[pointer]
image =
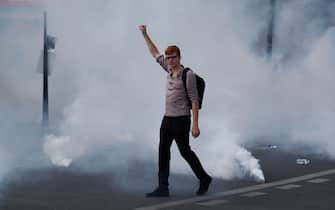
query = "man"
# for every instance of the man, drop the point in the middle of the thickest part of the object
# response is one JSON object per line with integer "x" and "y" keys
{"x": 177, "y": 119}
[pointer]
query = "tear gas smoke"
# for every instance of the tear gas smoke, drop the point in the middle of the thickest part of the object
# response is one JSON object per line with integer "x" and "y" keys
{"x": 109, "y": 93}
{"x": 117, "y": 101}
{"x": 244, "y": 93}
{"x": 57, "y": 147}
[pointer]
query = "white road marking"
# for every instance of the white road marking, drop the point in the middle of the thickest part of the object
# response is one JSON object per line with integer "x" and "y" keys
{"x": 288, "y": 187}
{"x": 253, "y": 194}
{"x": 318, "y": 181}
{"x": 212, "y": 202}
{"x": 237, "y": 191}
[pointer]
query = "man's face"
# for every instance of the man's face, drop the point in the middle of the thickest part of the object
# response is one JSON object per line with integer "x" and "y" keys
{"x": 172, "y": 60}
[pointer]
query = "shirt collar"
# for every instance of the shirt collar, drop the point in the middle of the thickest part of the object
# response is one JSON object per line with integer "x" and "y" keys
{"x": 179, "y": 72}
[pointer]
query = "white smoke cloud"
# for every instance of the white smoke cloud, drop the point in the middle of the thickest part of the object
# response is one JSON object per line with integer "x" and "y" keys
{"x": 120, "y": 94}
{"x": 109, "y": 93}
{"x": 59, "y": 150}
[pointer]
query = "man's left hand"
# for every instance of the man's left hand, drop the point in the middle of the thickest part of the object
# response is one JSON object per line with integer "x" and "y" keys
{"x": 195, "y": 131}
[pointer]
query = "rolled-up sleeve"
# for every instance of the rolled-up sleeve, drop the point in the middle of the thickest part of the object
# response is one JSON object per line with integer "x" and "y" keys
{"x": 191, "y": 84}
{"x": 161, "y": 60}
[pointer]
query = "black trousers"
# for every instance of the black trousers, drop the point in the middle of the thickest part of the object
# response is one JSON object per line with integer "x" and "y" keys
{"x": 178, "y": 129}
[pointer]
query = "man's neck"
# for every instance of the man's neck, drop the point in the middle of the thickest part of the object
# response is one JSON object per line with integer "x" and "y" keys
{"x": 177, "y": 68}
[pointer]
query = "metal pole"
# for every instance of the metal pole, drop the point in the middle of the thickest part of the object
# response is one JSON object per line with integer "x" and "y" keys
{"x": 270, "y": 31}
{"x": 45, "y": 75}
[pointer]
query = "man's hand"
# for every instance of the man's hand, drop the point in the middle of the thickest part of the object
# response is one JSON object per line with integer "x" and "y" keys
{"x": 195, "y": 131}
{"x": 152, "y": 48}
{"x": 195, "y": 115}
{"x": 143, "y": 28}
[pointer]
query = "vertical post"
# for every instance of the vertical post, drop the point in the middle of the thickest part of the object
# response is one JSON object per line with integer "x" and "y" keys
{"x": 45, "y": 75}
{"x": 271, "y": 28}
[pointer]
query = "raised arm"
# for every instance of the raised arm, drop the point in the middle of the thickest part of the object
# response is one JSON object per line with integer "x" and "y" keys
{"x": 152, "y": 47}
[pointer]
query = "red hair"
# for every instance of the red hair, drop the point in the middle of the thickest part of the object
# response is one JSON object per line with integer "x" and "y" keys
{"x": 172, "y": 49}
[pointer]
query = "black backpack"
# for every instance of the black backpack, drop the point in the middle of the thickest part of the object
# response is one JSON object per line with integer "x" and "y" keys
{"x": 200, "y": 86}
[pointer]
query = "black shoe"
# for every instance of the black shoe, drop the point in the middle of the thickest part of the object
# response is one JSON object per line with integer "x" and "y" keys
{"x": 159, "y": 192}
{"x": 204, "y": 185}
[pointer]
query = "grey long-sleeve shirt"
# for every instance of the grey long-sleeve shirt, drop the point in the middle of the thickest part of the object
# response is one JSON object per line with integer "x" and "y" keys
{"x": 176, "y": 103}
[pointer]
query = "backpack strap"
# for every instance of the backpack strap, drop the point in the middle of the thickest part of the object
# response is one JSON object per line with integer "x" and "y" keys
{"x": 184, "y": 77}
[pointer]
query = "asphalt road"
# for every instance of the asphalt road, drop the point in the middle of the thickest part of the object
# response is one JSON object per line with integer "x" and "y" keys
{"x": 288, "y": 186}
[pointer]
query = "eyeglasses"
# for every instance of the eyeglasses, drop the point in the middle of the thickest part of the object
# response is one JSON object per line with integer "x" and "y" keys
{"x": 171, "y": 57}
